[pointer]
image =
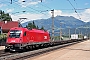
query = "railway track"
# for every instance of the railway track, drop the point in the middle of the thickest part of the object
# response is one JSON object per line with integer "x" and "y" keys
{"x": 2, "y": 53}
{"x": 25, "y": 55}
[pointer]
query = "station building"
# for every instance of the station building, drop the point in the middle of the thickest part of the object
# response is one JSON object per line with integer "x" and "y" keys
{"x": 5, "y": 26}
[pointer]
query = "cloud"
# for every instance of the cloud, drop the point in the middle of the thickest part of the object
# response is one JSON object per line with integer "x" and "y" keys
{"x": 1, "y": 5}
{"x": 85, "y": 15}
{"x": 29, "y": 17}
{"x": 86, "y": 3}
{"x": 87, "y": 11}
{"x": 27, "y": 3}
{"x": 9, "y": 10}
{"x": 33, "y": 3}
{"x": 56, "y": 12}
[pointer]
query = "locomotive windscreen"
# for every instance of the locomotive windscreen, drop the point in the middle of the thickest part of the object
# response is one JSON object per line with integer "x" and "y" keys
{"x": 15, "y": 33}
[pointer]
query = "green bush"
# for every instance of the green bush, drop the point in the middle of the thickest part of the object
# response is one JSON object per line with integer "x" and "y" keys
{"x": 3, "y": 37}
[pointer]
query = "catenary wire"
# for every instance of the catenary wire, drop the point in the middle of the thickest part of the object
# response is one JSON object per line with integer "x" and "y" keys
{"x": 74, "y": 8}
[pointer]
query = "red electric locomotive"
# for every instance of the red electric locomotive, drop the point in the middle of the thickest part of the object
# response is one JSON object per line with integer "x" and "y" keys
{"x": 20, "y": 38}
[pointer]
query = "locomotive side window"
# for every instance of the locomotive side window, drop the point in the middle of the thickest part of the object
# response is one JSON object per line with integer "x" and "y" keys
{"x": 24, "y": 33}
{"x": 15, "y": 33}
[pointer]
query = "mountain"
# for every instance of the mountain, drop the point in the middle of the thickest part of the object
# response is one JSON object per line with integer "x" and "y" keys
{"x": 65, "y": 22}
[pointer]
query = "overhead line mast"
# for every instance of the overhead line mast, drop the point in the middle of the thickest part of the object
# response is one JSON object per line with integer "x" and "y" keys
{"x": 52, "y": 11}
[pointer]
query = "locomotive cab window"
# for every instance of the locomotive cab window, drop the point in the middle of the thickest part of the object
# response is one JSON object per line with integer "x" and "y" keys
{"x": 15, "y": 33}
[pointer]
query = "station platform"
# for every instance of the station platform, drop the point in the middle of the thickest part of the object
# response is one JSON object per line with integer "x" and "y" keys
{"x": 79, "y": 51}
{"x": 2, "y": 47}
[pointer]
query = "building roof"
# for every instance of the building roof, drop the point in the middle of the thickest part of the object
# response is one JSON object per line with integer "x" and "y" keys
{"x": 7, "y": 25}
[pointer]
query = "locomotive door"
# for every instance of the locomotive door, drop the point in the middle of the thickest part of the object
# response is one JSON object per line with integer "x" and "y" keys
{"x": 25, "y": 37}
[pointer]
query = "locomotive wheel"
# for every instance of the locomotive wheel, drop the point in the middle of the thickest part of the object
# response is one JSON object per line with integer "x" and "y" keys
{"x": 6, "y": 50}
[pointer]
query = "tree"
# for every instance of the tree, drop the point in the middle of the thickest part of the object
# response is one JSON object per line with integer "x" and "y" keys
{"x": 42, "y": 28}
{"x": 29, "y": 26}
{"x": 37, "y": 27}
{"x": 5, "y": 16}
{"x": 33, "y": 25}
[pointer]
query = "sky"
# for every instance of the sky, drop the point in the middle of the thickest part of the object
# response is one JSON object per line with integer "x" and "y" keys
{"x": 41, "y": 9}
